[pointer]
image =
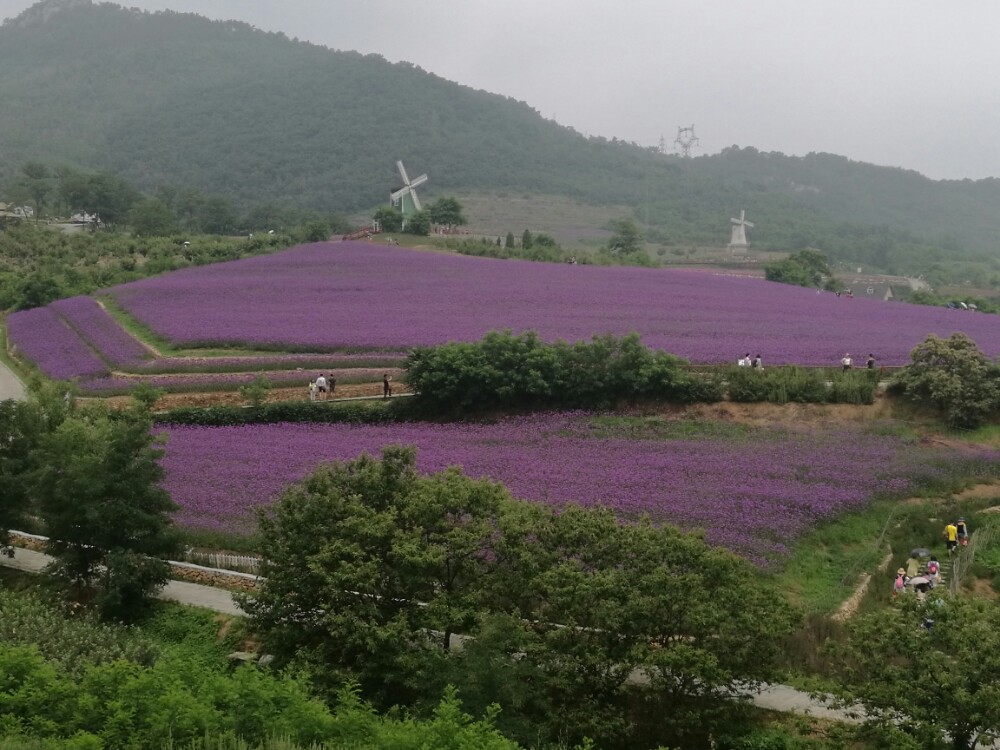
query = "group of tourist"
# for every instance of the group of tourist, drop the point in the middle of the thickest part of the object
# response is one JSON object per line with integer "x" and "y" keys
{"x": 319, "y": 387}
{"x": 323, "y": 387}
{"x": 922, "y": 578}
{"x": 846, "y": 363}
{"x": 748, "y": 361}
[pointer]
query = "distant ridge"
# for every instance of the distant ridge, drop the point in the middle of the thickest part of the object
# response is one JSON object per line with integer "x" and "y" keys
{"x": 171, "y": 98}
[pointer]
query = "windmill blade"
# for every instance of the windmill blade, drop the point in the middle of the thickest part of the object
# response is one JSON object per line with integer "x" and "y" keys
{"x": 415, "y": 199}
{"x": 397, "y": 194}
{"x": 748, "y": 224}
{"x": 419, "y": 181}
{"x": 402, "y": 172}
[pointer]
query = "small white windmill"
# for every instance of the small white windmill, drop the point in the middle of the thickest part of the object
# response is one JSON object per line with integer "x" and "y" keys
{"x": 738, "y": 239}
{"x": 405, "y": 198}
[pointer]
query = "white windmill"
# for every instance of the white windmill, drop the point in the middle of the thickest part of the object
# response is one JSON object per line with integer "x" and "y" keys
{"x": 738, "y": 239}
{"x": 405, "y": 198}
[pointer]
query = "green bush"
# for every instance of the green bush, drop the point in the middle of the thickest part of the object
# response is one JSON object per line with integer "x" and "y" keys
{"x": 70, "y": 643}
{"x": 508, "y": 371}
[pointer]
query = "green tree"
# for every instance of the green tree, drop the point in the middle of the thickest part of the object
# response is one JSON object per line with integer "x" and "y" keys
{"x": 597, "y": 601}
{"x": 927, "y": 682}
{"x": 99, "y": 497}
{"x": 151, "y": 217}
{"x": 37, "y": 180}
{"x": 38, "y": 290}
{"x": 526, "y": 241}
{"x": 216, "y": 215}
{"x": 22, "y": 425}
{"x": 389, "y": 218}
{"x": 317, "y": 231}
{"x": 626, "y": 240}
{"x": 953, "y": 376}
{"x": 418, "y": 223}
{"x": 509, "y": 241}
{"x": 255, "y": 392}
{"x": 805, "y": 268}
{"x": 365, "y": 559}
{"x": 447, "y": 211}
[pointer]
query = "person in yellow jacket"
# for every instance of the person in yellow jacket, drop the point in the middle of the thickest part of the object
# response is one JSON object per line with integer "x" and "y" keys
{"x": 951, "y": 536}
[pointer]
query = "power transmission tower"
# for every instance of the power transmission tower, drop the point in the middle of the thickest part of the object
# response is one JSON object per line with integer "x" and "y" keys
{"x": 685, "y": 140}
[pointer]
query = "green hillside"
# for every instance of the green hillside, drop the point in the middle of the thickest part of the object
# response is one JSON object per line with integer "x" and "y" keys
{"x": 170, "y": 98}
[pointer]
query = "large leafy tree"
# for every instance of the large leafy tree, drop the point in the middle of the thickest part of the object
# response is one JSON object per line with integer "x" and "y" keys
{"x": 37, "y": 181}
{"x": 626, "y": 240}
{"x": 629, "y": 628}
{"x": 108, "y": 519}
{"x": 578, "y": 624}
{"x": 364, "y": 561}
{"x": 21, "y": 426}
{"x": 928, "y": 682}
{"x": 389, "y": 218}
{"x": 447, "y": 211}
{"x": 805, "y": 268}
{"x": 953, "y": 376}
{"x": 151, "y": 217}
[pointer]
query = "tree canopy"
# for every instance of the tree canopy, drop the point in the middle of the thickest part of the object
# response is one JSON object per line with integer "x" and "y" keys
{"x": 925, "y": 682}
{"x": 374, "y": 571}
{"x": 954, "y": 377}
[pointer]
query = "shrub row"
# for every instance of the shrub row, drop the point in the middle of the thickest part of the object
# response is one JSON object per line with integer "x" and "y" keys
{"x": 798, "y": 385}
{"x": 508, "y": 371}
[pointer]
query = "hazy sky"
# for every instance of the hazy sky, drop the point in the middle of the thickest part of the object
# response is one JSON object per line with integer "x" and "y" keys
{"x": 907, "y": 83}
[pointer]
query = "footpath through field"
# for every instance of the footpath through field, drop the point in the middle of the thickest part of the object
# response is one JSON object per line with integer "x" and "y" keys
{"x": 10, "y": 385}
{"x": 771, "y": 697}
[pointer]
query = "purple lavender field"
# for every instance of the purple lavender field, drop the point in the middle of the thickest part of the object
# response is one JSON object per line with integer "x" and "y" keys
{"x": 355, "y": 295}
{"x": 44, "y": 337}
{"x": 744, "y": 488}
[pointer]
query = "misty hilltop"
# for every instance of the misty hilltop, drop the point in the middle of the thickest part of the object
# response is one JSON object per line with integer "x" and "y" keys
{"x": 170, "y": 98}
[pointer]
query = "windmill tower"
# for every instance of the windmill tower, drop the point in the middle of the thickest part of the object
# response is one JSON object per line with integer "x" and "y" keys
{"x": 405, "y": 198}
{"x": 738, "y": 239}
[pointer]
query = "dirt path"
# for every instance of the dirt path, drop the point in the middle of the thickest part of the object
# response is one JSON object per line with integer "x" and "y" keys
{"x": 274, "y": 395}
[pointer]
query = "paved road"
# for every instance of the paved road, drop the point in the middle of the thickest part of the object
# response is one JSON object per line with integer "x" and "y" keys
{"x": 10, "y": 386}
{"x": 773, "y": 697}
{"x": 193, "y": 594}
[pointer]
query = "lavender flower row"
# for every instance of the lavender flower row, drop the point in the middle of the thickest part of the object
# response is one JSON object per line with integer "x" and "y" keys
{"x": 58, "y": 351}
{"x": 751, "y": 495}
{"x": 355, "y": 295}
{"x": 272, "y": 362}
{"x": 101, "y": 331}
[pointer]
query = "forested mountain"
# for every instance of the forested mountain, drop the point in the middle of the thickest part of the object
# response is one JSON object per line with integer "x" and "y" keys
{"x": 175, "y": 99}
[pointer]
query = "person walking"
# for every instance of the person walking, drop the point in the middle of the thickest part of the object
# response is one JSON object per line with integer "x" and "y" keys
{"x": 899, "y": 584}
{"x": 845, "y": 362}
{"x": 312, "y": 390}
{"x": 758, "y": 364}
{"x": 934, "y": 570}
{"x": 386, "y": 385}
{"x": 870, "y": 362}
{"x": 950, "y": 534}
{"x": 331, "y": 384}
{"x": 321, "y": 387}
{"x": 962, "y": 532}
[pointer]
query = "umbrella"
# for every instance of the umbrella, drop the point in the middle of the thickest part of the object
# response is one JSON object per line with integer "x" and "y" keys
{"x": 920, "y": 552}
{"x": 917, "y": 580}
